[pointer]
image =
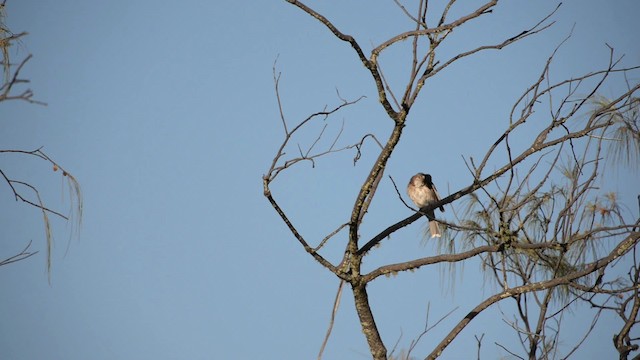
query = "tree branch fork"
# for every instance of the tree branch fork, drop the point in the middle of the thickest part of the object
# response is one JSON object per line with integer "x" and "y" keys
{"x": 559, "y": 132}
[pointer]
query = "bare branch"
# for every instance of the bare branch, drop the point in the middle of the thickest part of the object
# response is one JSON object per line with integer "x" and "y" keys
{"x": 336, "y": 305}
{"x": 20, "y": 256}
{"x": 275, "y": 169}
{"x": 622, "y": 248}
{"x": 539, "y": 226}
{"x": 370, "y": 65}
{"x": 326, "y": 238}
{"x": 26, "y": 95}
{"x": 484, "y": 9}
{"x": 10, "y": 81}
{"x": 428, "y": 328}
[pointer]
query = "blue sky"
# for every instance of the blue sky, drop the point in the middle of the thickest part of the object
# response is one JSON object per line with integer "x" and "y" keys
{"x": 165, "y": 113}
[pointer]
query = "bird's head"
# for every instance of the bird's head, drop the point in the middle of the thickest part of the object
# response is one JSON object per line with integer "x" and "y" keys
{"x": 427, "y": 179}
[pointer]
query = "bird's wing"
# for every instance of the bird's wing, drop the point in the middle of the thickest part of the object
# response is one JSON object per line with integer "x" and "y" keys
{"x": 435, "y": 191}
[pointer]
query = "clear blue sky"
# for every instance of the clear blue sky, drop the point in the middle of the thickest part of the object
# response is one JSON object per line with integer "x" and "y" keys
{"x": 165, "y": 113}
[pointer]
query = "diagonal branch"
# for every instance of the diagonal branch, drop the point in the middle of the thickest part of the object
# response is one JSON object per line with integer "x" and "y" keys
{"x": 20, "y": 256}
{"x": 484, "y": 9}
{"x": 538, "y": 145}
{"x": 319, "y": 258}
{"x": 371, "y": 65}
{"x": 622, "y": 248}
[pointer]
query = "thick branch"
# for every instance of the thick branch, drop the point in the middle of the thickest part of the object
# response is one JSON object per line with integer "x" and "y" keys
{"x": 417, "y": 263}
{"x": 361, "y": 298}
{"x": 369, "y": 184}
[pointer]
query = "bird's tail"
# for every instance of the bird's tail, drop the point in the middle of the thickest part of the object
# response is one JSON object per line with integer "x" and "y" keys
{"x": 434, "y": 228}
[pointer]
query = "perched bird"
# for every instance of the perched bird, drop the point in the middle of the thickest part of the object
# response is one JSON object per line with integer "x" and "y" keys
{"x": 422, "y": 192}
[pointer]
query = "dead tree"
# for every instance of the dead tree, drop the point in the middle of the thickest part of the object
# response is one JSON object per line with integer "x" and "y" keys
{"x": 546, "y": 235}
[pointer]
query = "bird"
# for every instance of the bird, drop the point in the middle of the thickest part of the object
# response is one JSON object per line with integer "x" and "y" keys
{"x": 423, "y": 192}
